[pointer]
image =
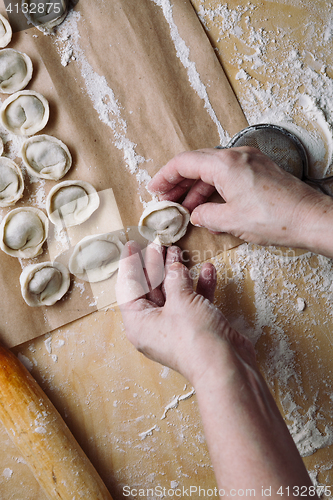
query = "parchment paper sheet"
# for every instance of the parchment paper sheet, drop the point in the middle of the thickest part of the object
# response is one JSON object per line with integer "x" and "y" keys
{"x": 159, "y": 114}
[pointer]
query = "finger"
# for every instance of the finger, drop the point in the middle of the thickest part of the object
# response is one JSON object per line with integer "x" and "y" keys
{"x": 216, "y": 217}
{"x": 154, "y": 265}
{"x": 131, "y": 281}
{"x": 175, "y": 193}
{"x": 202, "y": 164}
{"x": 207, "y": 281}
{"x": 177, "y": 281}
{"x": 174, "y": 254}
{"x": 198, "y": 194}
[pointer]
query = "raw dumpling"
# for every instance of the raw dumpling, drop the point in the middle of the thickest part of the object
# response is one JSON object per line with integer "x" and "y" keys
{"x": 15, "y": 70}
{"x": 44, "y": 284}
{"x": 45, "y": 15}
{"x": 96, "y": 258}
{"x": 25, "y": 112}
{"x": 164, "y": 222}
{"x": 46, "y": 157}
{"x": 23, "y": 232}
{"x": 11, "y": 182}
{"x": 5, "y": 32}
{"x": 71, "y": 202}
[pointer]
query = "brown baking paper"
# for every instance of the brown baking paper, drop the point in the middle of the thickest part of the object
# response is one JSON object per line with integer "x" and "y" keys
{"x": 124, "y": 104}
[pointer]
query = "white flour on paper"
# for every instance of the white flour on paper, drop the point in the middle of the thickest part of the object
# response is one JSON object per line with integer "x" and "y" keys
{"x": 102, "y": 96}
{"x": 183, "y": 53}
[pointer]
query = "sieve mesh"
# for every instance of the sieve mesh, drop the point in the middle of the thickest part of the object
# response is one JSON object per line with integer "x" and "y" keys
{"x": 278, "y": 144}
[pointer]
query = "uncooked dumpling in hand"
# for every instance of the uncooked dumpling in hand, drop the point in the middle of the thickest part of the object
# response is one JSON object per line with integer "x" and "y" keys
{"x": 46, "y": 157}
{"x": 23, "y": 232}
{"x": 15, "y": 70}
{"x": 24, "y": 113}
{"x": 11, "y": 182}
{"x": 44, "y": 284}
{"x": 5, "y": 32}
{"x": 164, "y": 222}
{"x": 70, "y": 203}
{"x": 96, "y": 258}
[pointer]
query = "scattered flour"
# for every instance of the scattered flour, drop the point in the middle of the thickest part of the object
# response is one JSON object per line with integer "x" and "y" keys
{"x": 149, "y": 432}
{"x": 183, "y": 52}
{"x": 300, "y": 304}
{"x": 304, "y": 105}
{"x": 25, "y": 361}
{"x": 7, "y": 473}
{"x": 102, "y": 96}
{"x": 175, "y": 402}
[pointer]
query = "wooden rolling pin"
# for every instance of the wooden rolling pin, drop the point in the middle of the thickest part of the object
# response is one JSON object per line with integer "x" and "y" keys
{"x": 55, "y": 458}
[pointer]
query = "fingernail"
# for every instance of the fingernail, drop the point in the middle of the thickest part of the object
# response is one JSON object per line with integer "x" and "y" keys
{"x": 194, "y": 221}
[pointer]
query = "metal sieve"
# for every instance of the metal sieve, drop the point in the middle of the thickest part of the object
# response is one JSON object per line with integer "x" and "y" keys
{"x": 283, "y": 147}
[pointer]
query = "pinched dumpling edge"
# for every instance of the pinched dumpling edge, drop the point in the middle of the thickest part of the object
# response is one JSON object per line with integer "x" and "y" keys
{"x": 6, "y": 38}
{"x": 28, "y": 76}
{"x": 11, "y": 164}
{"x": 49, "y": 138}
{"x": 28, "y": 253}
{"x": 155, "y": 207}
{"x": 93, "y": 203}
{"x": 33, "y": 129}
{"x": 29, "y": 272}
{"x": 107, "y": 271}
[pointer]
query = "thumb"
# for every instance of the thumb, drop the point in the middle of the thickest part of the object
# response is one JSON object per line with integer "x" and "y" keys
{"x": 177, "y": 280}
{"x": 213, "y": 216}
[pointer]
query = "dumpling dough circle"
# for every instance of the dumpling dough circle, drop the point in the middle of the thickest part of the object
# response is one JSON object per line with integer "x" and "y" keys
{"x": 70, "y": 203}
{"x": 24, "y": 113}
{"x": 23, "y": 232}
{"x": 46, "y": 157}
{"x": 44, "y": 284}
{"x": 96, "y": 258}
{"x": 15, "y": 70}
{"x": 164, "y": 222}
{"x": 5, "y": 32}
{"x": 11, "y": 182}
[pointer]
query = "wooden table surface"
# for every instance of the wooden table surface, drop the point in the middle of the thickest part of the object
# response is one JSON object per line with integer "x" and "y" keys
{"x": 113, "y": 399}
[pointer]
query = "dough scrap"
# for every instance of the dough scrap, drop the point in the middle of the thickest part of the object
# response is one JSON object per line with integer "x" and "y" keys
{"x": 44, "y": 284}
{"x": 24, "y": 113}
{"x": 5, "y": 32}
{"x": 164, "y": 222}
{"x": 46, "y": 157}
{"x": 11, "y": 182}
{"x": 70, "y": 203}
{"x": 52, "y": 15}
{"x": 96, "y": 258}
{"x": 15, "y": 70}
{"x": 23, "y": 232}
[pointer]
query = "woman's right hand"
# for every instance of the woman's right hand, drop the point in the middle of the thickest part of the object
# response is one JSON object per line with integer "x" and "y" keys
{"x": 264, "y": 204}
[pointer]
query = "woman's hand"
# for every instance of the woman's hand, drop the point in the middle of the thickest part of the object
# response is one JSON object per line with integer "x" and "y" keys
{"x": 264, "y": 204}
{"x": 172, "y": 323}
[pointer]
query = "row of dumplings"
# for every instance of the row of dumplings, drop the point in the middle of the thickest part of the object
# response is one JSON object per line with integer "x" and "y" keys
{"x": 24, "y": 230}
